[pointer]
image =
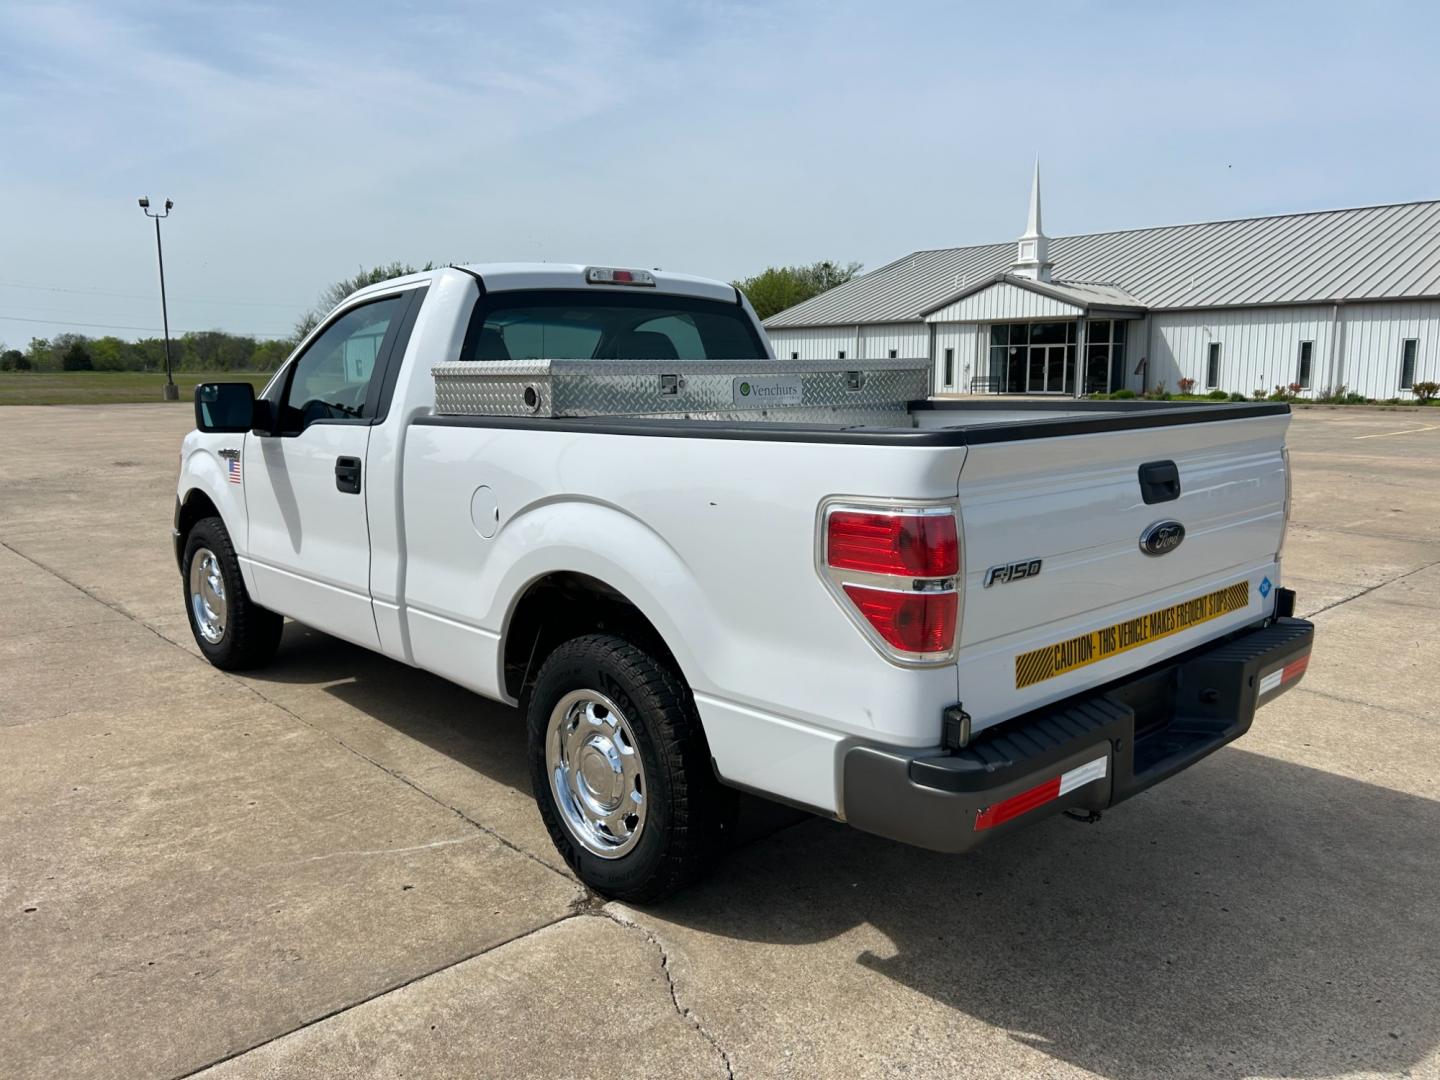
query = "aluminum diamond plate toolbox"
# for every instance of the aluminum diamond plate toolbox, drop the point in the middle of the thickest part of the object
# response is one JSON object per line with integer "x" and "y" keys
{"x": 797, "y": 391}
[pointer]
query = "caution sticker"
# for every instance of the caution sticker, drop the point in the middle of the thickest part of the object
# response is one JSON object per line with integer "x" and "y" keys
{"x": 1077, "y": 652}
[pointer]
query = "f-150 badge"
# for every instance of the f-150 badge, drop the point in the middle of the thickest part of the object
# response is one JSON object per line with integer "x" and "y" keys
{"x": 1008, "y": 572}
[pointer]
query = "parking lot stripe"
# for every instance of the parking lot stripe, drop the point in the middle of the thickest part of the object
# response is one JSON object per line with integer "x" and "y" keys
{"x": 1407, "y": 431}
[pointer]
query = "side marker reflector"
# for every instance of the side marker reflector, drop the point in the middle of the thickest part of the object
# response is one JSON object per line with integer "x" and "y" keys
{"x": 1041, "y": 794}
{"x": 1273, "y": 680}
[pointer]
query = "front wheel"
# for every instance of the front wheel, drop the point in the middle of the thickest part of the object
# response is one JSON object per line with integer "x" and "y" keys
{"x": 231, "y": 630}
{"x": 621, "y": 770}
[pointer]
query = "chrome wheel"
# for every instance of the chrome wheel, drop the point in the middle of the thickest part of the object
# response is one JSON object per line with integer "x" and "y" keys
{"x": 207, "y": 595}
{"x": 596, "y": 774}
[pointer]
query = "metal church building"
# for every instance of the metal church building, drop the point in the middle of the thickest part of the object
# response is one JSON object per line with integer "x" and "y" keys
{"x": 1337, "y": 298}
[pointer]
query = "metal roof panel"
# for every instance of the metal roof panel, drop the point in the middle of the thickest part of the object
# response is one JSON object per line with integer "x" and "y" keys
{"x": 1386, "y": 252}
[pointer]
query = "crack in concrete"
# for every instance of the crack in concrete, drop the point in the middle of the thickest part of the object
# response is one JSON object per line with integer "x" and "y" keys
{"x": 1367, "y": 591}
{"x": 1303, "y": 688}
{"x": 687, "y": 1014}
{"x": 1346, "y": 530}
{"x": 118, "y": 608}
{"x": 401, "y": 985}
{"x": 376, "y": 851}
{"x": 395, "y": 774}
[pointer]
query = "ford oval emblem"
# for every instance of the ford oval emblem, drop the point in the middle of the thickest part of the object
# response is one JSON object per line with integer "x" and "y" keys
{"x": 1162, "y": 538}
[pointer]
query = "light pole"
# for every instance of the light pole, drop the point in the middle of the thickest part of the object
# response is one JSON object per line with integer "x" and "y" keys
{"x": 172, "y": 392}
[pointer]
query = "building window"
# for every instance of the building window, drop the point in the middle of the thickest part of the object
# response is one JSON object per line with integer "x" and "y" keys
{"x": 1307, "y": 351}
{"x": 1104, "y": 354}
{"x": 1212, "y": 366}
{"x": 1407, "y": 363}
{"x": 841, "y": 354}
{"x": 1031, "y": 358}
{"x": 794, "y": 356}
{"x": 894, "y": 353}
{"x": 949, "y": 367}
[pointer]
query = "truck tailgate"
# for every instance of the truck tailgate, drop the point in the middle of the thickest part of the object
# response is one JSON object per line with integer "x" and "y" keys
{"x": 1085, "y": 603}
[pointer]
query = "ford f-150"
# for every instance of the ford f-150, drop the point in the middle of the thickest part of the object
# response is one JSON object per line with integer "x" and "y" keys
{"x": 937, "y": 623}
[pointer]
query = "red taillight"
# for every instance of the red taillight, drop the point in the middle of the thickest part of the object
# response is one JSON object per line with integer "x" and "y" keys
{"x": 913, "y": 622}
{"x": 913, "y": 545}
{"x": 894, "y": 570}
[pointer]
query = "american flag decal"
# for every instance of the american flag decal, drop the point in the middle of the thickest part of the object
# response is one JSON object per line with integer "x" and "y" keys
{"x": 232, "y": 469}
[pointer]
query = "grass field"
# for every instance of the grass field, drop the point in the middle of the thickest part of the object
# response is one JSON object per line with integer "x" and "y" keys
{"x": 108, "y": 387}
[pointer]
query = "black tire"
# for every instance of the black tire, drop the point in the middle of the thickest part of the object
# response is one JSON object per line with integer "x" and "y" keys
{"x": 250, "y": 633}
{"x": 687, "y": 809}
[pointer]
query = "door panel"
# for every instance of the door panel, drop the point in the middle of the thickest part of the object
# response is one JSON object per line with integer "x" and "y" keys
{"x": 309, "y": 541}
{"x": 309, "y": 538}
{"x": 1036, "y": 374}
{"x": 1055, "y": 369}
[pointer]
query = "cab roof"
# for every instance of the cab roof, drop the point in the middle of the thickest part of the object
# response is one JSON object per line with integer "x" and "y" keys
{"x": 510, "y": 276}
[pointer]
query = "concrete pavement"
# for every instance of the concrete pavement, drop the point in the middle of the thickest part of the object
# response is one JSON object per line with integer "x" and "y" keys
{"x": 334, "y": 867}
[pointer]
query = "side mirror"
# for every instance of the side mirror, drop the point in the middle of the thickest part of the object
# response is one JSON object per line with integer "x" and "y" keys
{"x": 227, "y": 407}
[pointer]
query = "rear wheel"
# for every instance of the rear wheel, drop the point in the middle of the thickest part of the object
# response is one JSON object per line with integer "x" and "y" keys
{"x": 231, "y": 630}
{"x": 621, "y": 770}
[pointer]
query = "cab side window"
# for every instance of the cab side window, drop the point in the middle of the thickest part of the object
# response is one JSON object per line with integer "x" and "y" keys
{"x": 331, "y": 379}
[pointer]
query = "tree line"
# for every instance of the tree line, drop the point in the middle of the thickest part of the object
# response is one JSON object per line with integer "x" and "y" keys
{"x": 207, "y": 350}
{"x": 769, "y": 291}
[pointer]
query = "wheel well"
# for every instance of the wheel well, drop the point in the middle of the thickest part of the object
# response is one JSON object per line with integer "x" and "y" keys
{"x": 562, "y": 606}
{"x": 197, "y": 506}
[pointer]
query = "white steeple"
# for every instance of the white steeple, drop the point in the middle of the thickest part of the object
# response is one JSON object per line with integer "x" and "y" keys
{"x": 1032, "y": 251}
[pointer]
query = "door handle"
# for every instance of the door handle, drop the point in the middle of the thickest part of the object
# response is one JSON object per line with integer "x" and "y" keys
{"x": 1159, "y": 481}
{"x": 347, "y": 475}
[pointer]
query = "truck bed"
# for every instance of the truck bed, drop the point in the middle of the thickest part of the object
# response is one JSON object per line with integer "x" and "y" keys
{"x": 1053, "y": 483}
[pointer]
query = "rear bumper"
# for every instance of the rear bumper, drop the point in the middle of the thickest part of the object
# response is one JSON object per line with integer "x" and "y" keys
{"x": 1087, "y": 753}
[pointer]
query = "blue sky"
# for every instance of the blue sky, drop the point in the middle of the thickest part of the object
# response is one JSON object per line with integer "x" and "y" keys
{"x": 302, "y": 141}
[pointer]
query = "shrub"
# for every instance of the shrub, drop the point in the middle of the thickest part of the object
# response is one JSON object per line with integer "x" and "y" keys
{"x": 1425, "y": 391}
{"x": 1156, "y": 393}
{"x": 1258, "y": 395}
{"x": 1122, "y": 395}
{"x": 1187, "y": 386}
{"x": 1237, "y": 397}
{"x": 1217, "y": 395}
{"x": 76, "y": 359}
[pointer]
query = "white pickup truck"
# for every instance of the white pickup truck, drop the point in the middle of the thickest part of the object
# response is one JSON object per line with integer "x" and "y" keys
{"x": 937, "y": 628}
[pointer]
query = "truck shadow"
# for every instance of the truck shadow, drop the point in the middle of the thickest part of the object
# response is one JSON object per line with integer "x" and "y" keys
{"x": 482, "y": 735}
{"x": 1250, "y": 917}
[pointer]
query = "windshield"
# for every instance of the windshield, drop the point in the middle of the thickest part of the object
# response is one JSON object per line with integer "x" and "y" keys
{"x": 580, "y": 324}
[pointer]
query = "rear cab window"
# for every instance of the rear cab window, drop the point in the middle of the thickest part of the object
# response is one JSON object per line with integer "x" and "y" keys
{"x": 587, "y": 324}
